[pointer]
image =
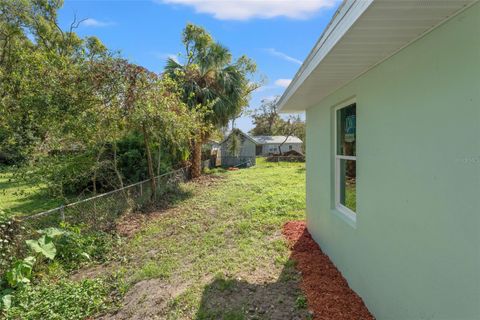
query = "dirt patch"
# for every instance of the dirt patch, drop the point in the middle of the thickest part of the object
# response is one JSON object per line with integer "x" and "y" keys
{"x": 128, "y": 224}
{"x": 92, "y": 272}
{"x": 208, "y": 179}
{"x": 147, "y": 299}
{"x": 255, "y": 296}
{"x": 327, "y": 292}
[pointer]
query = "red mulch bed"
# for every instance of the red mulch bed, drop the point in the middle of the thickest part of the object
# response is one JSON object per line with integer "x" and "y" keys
{"x": 328, "y": 294}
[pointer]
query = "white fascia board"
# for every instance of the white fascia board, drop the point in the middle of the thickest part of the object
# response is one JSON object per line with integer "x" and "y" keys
{"x": 345, "y": 17}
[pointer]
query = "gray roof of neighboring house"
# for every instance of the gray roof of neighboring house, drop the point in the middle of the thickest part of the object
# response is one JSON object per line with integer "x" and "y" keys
{"x": 276, "y": 139}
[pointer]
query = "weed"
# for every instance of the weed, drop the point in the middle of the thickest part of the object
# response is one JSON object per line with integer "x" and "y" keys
{"x": 63, "y": 300}
{"x": 301, "y": 302}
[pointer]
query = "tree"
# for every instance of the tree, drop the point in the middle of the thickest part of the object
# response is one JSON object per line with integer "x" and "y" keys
{"x": 66, "y": 102}
{"x": 266, "y": 118}
{"x": 268, "y": 122}
{"x": 153, "y": 107}
{"x": 214, "y": 84}
{"x": 293, "y": 126}
{"x": 46, "y": 82}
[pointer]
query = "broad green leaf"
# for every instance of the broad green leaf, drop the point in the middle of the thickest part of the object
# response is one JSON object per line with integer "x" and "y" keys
{"x": 44, "y": 246}
{"x": 21, "y": 272}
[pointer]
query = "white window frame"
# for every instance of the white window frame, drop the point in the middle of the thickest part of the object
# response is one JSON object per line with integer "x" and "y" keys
{"x": 348, "y": 213}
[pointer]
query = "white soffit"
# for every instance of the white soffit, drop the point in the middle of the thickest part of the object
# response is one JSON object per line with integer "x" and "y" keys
{"x": 362, "y": 34}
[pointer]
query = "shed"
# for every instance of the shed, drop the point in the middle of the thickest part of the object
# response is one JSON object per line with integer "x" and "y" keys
{"x": 237, "y": 149}
{"x": 391, "y": 92}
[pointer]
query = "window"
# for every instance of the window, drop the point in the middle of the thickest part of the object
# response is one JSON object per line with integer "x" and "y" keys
{"x": 290, "y": 147}
{"x": 346, "y": 160}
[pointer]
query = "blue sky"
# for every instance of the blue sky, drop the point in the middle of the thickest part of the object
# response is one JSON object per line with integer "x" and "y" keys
{"x": 277, "y": 34}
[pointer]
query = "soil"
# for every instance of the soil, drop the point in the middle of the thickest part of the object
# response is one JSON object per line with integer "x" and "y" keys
{"x": 262, "y": 294}
{"x": 146, "y": 300}
{"x": 92, "y": 272}
{"x": 327, "y": 291}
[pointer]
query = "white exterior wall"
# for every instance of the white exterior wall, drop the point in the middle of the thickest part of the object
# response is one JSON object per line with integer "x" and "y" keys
{"x": 266, "y": 148}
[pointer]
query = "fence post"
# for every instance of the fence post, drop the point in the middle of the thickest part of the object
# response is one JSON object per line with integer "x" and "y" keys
{"x": 141, "y": 189}
{"x": 62, "y": 212}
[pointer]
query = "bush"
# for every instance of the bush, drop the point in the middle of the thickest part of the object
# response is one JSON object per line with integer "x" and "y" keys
{"x": 76, "y": 246}
{"x": 9, "y": 228}
{"x": 62, "y": 300}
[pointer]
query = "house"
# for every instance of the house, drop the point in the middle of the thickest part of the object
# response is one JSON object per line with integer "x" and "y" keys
{"x": 392, "y": 97}
{"x": 237, "y": 149}
{"x": 268, "y": 145}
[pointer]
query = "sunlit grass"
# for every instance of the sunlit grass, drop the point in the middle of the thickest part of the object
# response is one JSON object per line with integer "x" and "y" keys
{"x": 22, "y": 198}
{"x": 231, "y": 228}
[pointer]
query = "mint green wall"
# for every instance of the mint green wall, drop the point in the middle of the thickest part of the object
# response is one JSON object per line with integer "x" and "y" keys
{"x": 415, "y": 250}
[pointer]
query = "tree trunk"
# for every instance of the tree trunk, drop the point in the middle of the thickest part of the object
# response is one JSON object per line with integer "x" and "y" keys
{"x": 94, "y": 178}
{"x": 197, "y": 158}
{"x": 159, "y": 157}
{"x": 151, "y": 174}
{"x": 115, "y": 164}
{"x": 280, "y": 146}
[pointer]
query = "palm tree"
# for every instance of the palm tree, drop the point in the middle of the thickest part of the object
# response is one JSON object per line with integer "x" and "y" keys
{"x": 212, "y": 84}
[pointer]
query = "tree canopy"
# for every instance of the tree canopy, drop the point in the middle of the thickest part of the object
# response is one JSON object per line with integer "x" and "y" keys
{"x": 268, "y": 122}
{"x": 77, "y": 112}
{"x": 212, "y": 81}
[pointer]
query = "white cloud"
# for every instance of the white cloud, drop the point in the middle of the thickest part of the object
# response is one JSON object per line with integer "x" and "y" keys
{"x": 265, "y": 88}
{"x": 165, "y": 56}
{"x": 96, "y": 23}
{"x": 248, "y": 9}
{"x": 172, "y": 56}
{"x": 283, "y": 82}
{"x": 284, "y": 56}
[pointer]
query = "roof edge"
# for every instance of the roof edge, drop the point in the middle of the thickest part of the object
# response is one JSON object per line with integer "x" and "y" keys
{"x": 343, "y": 19}
{"x": 243, "y": 133}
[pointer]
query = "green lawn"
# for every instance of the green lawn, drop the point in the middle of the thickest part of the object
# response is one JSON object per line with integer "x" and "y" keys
{"x": 220, "y": 254}
{"x": 20, "y": 198}
{"x": 216, "y": 253}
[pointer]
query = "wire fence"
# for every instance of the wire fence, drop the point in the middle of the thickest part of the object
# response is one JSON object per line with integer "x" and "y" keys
{"x": 95, "y": 213}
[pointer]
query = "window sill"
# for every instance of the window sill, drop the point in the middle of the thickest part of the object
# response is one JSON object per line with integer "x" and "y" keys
{"x": 346, "y": 215}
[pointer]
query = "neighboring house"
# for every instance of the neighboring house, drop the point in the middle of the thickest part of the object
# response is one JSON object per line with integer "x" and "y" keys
{"x": 238, "y": 148}
{"x": 392, "y": 98}
{"x": 268, "y": 145}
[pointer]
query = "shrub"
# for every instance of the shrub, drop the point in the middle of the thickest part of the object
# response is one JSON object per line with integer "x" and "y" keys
{"x": 77, "y": 246}
{"x": 9, "y": 228}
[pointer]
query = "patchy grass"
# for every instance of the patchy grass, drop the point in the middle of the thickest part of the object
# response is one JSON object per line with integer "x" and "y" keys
{"x": 216, "y": 254}
{"x": 220, "y": 253}
{"x": 22, "y": 198}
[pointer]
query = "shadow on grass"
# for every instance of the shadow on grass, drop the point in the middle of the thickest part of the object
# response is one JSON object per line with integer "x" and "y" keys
{"x": 237, "y": 299}
{"x": 169, "y": 198}
{"x": 329, "y": 296}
